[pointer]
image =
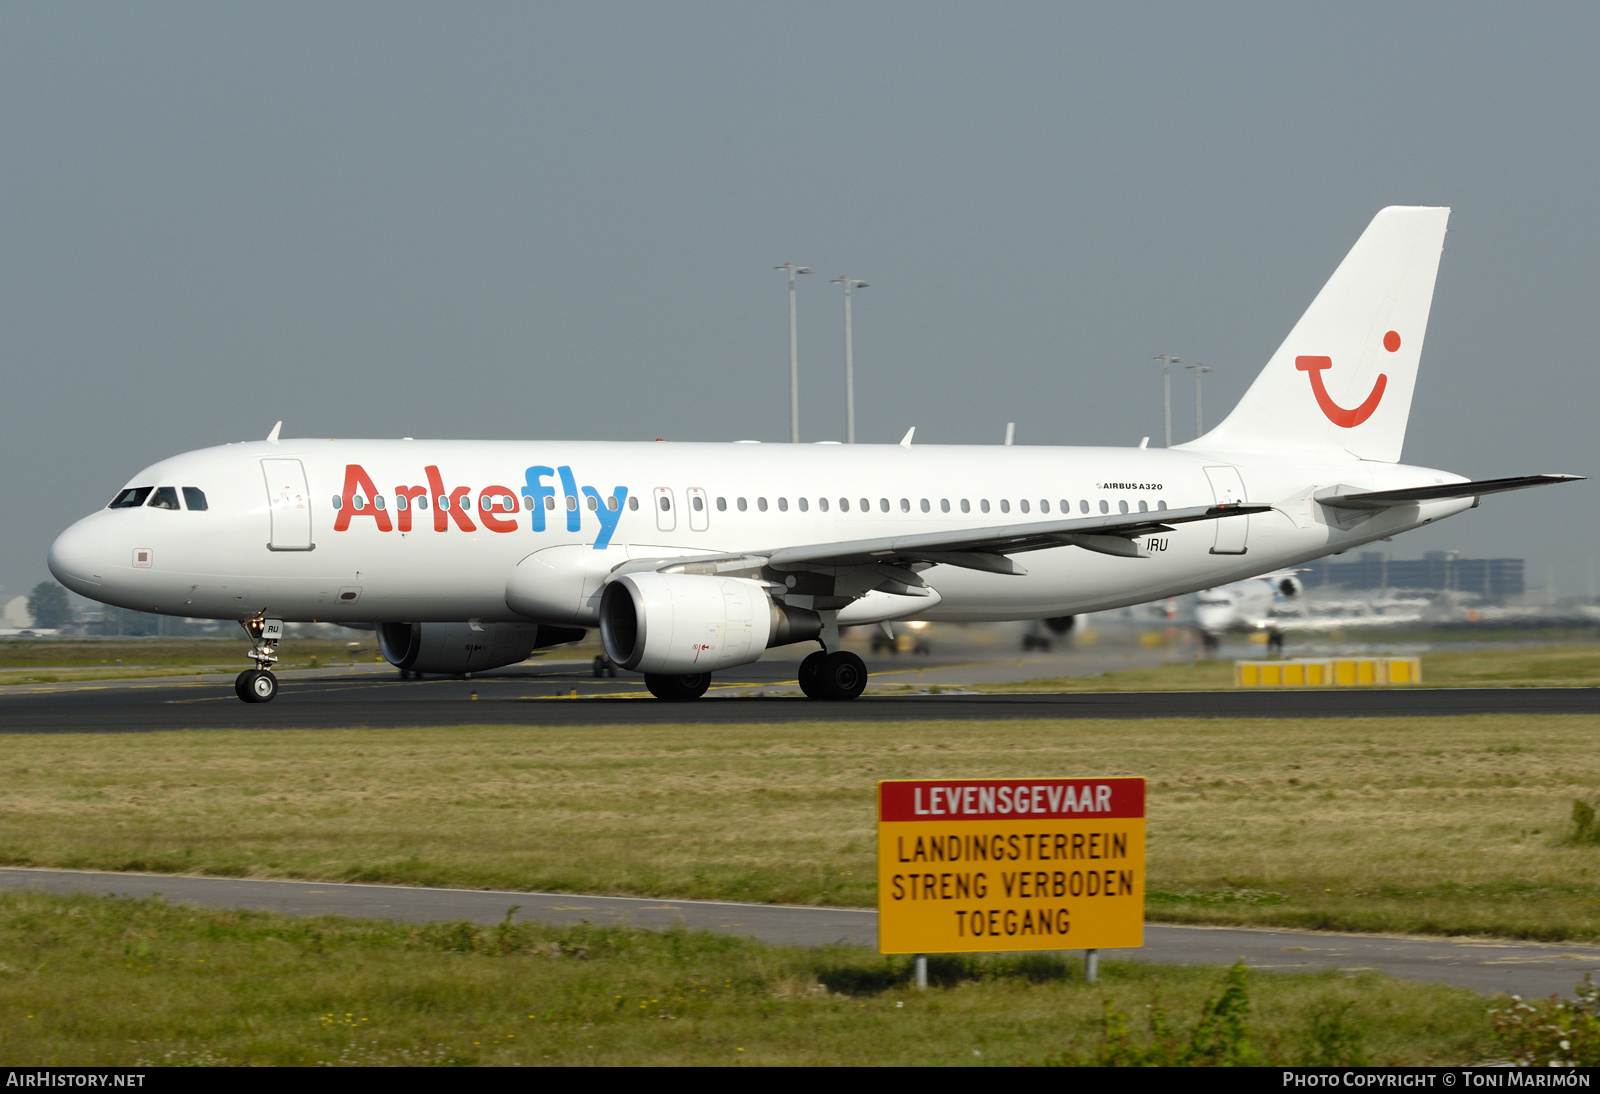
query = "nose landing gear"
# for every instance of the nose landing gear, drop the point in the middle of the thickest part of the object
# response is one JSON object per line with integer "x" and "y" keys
{"x": 259, "y": 685}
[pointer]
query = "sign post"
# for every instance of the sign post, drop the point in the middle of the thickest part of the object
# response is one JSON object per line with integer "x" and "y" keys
{"x": 991, "y": 865}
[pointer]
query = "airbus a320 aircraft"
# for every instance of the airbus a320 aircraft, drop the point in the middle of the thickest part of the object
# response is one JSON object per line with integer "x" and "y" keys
{"x": 692, "y": 558}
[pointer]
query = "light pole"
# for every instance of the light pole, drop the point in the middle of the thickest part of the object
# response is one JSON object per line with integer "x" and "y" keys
{"x": 1199, "y": 419}
{"x": 1167, "y": 361}
{"x": 849, "y": 359}
{"x": 794, "y": 355}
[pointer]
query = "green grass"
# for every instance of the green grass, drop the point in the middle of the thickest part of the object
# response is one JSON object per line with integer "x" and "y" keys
{"x": 1427, "y": 825}
{"x": 96, "y": 981}
{"x": 1576, "y": 665}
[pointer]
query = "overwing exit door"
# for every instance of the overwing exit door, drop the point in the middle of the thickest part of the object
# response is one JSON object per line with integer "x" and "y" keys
{"x": 666, "y": 518}
{"x": 1228, "y": 488}
{"x": 290, "y": 504}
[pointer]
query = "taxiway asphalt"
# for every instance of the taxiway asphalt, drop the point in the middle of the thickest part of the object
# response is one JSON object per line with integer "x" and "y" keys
{"x": 1524, "y": 968}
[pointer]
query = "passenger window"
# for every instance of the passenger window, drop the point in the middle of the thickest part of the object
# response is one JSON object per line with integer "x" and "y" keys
{"x": 1005, "y": 506}
{"x": 358, "y": 503}
{"x": 844, "y": 505}
{"x": 883, "y": 504}
{"x": 378, "y": 502}
{"x": 698, "y": 502}
{"x": 866, "y": 506}
{"x": 905, "y": 505}
{"x": 399, "y": 501}
{"x": 966, "y": 506}
{"x": 194, "y": 499}
{"x": 572, "y": 504}
{"x": 1023, "y": 505}
{"x": 666, "y": 503}
{"x": 984, "y": 505}
{"x": 338, "y": 502}
{"x": 1144, "y": 507}
{"x": 944, "y": 505}
{"x": 1104, "y": 507}
{"x": 742, "y": 505}
{"x": 132, "y": 498}
{"x": 1161, "y": 505}
{"x": 165, "y": 497}
{"x": 783, "y": 505}
{"x": 804, "y": 505}
{"x": 1044, "y": 506}
{"x": 612, "y": 503}
{"x": 1083, "y": 505}
{"x": 761, "y": 504}
{"x": 1122, "y": 506}
{"x": 422, "y": 502}
{"x": 633, "y": 503}
{"x": 549, "y": 501}
{"x": 925, "y": 507}
{"x": 594, "y": 506}
{"x": 722, "y": 505}
{"x": 822, "y": 503}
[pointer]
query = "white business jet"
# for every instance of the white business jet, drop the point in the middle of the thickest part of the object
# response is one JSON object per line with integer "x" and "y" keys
{"x": 692, "y": 558}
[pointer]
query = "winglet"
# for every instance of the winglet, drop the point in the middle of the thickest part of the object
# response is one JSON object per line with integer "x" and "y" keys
{"x": 905, "y": 442}
{"x": 272, "y": 438}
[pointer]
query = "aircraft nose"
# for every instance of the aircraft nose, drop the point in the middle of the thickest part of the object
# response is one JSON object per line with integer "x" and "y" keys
{"x": 78, "y": 558}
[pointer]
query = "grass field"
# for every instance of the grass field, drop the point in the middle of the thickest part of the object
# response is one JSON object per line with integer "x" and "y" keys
{"x": 1425, "y": 825}
{"x": 93, "y": 981}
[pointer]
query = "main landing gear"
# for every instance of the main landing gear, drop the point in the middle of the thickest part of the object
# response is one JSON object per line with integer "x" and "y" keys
{"x": 259, "y": 685}
{"x": 675, "y": 686}
{"x": 837, "y": 675}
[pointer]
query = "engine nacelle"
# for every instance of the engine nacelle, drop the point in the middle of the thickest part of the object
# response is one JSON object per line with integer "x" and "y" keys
{"x": 1290, "y": 587}
{"x": 457, "y": 648}
{"x": 684, "y": 623}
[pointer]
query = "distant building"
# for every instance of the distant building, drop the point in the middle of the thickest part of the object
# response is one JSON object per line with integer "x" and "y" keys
{"x": 1493, "y": 578}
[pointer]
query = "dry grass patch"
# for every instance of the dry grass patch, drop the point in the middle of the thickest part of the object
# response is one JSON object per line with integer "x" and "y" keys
{"x": 1439, "y": 825}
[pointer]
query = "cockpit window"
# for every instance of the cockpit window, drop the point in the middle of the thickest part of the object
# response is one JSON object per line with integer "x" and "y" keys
{"x": 131, "y": 498}
{"x": 194, "y": 498}
{"x": 165, "y": 497}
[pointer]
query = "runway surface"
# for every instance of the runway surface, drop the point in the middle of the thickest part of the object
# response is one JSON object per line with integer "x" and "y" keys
{"x": 380, "y": 699}
{"x": 1528, "y": 969}
{"x": 566, "y": 693}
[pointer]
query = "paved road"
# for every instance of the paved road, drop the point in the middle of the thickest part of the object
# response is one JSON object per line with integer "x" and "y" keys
{"x": 1529, "y": 969}
{"x": 565, "y": 693}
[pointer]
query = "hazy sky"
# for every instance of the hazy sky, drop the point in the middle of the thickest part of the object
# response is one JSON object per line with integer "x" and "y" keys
{"x": 561, "y": 221}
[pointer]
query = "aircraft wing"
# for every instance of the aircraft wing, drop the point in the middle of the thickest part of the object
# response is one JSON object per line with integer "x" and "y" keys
{"x": 1382, "y": 499}
{"x": 987, "y": 548}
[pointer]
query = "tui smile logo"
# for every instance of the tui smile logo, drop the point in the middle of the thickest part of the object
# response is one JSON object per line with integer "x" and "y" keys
{"x": 1338, "y": 415}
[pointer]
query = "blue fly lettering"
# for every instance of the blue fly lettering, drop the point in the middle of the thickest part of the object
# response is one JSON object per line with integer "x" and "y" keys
{"x": 608, "y": 516}
{"x": 538, "y": 491}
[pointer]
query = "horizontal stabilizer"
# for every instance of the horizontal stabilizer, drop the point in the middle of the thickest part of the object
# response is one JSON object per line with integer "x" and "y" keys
{"x": 1383, "y": 499}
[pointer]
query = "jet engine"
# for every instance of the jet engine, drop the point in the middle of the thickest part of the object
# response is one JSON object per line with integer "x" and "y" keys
{"x": 1290, "y": 587}
{"x": 692, "y": 623}
{"x": 457, "y": 648}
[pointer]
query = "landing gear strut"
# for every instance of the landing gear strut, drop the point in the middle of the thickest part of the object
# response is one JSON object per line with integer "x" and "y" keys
{"x": 259, "y": 685}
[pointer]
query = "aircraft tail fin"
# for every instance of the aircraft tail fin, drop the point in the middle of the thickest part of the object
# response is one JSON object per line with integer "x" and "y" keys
{"x": 1343, "y": 378}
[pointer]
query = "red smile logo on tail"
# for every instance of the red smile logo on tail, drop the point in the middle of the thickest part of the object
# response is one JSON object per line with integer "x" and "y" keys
{"x": 1338, "y": 415}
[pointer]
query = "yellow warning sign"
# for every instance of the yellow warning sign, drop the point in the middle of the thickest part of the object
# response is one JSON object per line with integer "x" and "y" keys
{"x": 1010, "y": 864}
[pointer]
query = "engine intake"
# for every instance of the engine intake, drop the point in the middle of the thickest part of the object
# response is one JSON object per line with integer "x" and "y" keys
{"x": 684, "y": 623}
{"x": 456, "y": 648}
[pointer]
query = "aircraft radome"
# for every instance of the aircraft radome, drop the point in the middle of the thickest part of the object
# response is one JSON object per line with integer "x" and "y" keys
{"x": 692, "y": 558}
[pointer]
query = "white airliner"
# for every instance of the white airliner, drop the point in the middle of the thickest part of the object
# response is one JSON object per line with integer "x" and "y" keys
{"x": 692, "y": 558}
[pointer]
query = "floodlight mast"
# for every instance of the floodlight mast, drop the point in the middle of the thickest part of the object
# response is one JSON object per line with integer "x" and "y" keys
{"x": 1167, "y": 361}
{"x": 849, "y": 359}
{"x": 794, "y": 355}
{"x": 1199, "y": 419}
